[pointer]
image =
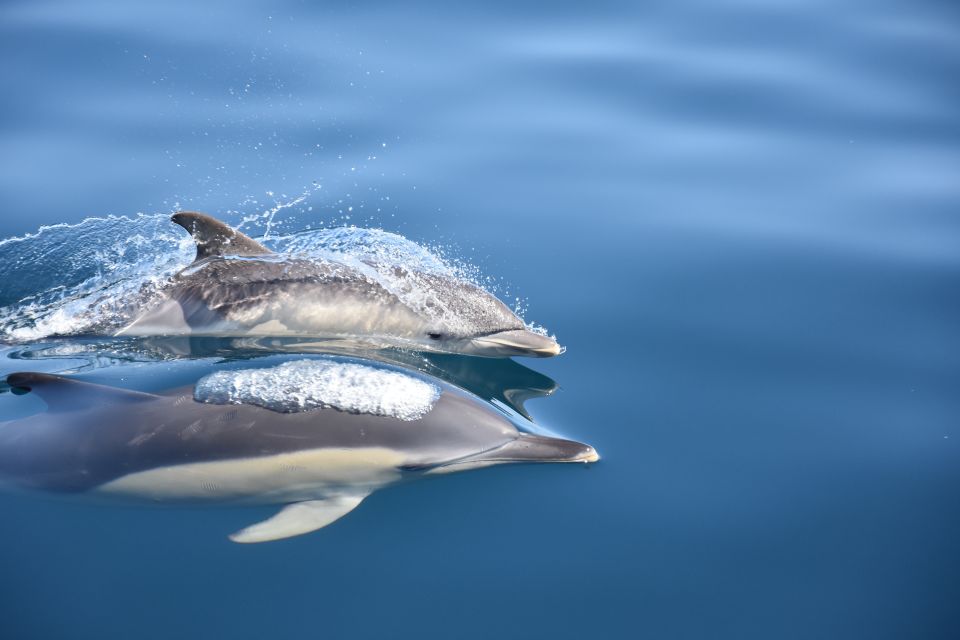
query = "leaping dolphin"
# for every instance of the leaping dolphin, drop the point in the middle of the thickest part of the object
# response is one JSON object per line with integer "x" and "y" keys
{"x": 317, "y": 436}
{"x": 238, "y": 287}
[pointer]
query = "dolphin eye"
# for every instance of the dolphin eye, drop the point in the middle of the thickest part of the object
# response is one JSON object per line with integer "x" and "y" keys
{"x": 434, "y": 335}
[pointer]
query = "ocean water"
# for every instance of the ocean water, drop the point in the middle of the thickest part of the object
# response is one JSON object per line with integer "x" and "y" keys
{"x": 740, "y": 218}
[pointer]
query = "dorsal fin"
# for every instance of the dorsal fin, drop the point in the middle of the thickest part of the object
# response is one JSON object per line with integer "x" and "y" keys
{"x": 215, "y": 238}
{"x": 66, "y": 394}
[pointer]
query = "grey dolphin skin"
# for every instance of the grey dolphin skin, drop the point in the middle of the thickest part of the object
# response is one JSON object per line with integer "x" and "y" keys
{"x": 238, "y": 287}
{"x": 320, "y": 462}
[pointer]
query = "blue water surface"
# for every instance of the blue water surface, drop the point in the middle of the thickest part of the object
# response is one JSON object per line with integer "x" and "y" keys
{"x": 740, "y": 218}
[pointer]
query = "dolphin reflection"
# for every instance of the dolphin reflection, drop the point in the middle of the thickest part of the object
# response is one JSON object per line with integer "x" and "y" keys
{"x": 493, "y": 379}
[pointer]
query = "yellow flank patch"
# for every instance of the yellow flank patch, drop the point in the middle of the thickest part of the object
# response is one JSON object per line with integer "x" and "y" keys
{"x": 287, "y": 477}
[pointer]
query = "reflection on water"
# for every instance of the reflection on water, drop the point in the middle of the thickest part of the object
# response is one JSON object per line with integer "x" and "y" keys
{"x": 499, "y": 380}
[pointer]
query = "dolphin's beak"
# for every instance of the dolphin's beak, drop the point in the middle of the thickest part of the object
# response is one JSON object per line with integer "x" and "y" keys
{"x": 516, "y": 342}
{"x": 526, "y": 448}
{"x": 533, "y": 448}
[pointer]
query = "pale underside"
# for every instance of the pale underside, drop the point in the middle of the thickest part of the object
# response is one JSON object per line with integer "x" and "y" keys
{"x": 318, "y": 486}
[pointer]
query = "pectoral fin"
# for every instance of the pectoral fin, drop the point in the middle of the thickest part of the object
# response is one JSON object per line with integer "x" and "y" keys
{"x": 299, "y": 518}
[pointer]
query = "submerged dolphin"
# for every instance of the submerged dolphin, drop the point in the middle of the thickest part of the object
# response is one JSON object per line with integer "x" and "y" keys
{"x": 236, "y": 286}
{"x": 315, "y": 435}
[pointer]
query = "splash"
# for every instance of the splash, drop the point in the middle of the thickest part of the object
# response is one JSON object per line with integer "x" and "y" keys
{"x": 95, "y": 277}
{"x": 73, "y": 279}
{"x": 303, "y": 385}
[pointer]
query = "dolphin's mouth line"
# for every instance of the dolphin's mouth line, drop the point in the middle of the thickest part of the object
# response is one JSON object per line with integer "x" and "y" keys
{"x": 495, "y": 332}
{"x": 530, "y": 449}
{"x": 471, "y": 457}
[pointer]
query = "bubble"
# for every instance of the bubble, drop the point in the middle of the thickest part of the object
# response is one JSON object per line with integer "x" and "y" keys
{"x": 304, "y": 385}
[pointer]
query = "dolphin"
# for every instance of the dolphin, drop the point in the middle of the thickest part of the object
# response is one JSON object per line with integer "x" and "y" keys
{"x": 315, "y": 435}
{"x": 238, "y": 287}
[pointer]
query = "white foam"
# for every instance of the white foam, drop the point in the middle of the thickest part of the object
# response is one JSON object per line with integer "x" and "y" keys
{"x": 303, "y": 385}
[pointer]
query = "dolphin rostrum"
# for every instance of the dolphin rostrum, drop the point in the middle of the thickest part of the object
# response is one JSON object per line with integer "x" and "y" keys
{"x": 238, "y": 287}
{"x": 315, "y": 435}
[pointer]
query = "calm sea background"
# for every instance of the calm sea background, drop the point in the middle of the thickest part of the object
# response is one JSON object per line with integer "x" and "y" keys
{"x": 741, "y": 218}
